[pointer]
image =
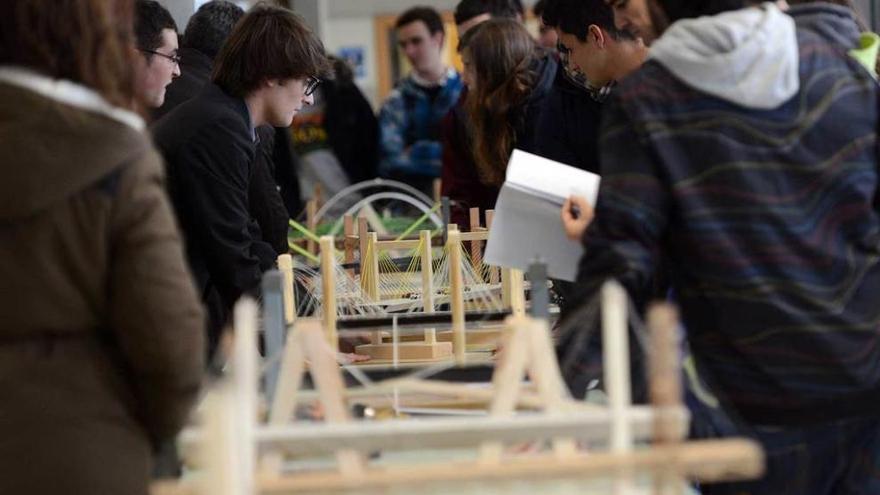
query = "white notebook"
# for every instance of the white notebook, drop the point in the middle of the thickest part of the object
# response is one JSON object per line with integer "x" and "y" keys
{"x": 527, "y": 226}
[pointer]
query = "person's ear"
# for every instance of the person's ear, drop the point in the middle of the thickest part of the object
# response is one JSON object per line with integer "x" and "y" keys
{"x": 595, "y": 33}
{"x": 438, "y": 38}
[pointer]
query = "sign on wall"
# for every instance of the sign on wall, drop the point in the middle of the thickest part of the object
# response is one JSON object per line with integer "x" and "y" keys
{"x": 354, "y": 55}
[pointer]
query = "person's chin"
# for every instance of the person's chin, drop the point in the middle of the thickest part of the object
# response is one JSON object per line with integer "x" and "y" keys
{"x": 159, "y": 100}
{"x": 287, "y": 121}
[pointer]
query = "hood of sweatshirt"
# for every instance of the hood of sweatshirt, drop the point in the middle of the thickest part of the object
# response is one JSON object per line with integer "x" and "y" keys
{"x": 837, "y": 25}
{"x": 58, "y": 137}
{"x": 748, "y": 57}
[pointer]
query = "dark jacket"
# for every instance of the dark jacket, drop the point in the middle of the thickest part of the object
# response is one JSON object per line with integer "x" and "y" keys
{"x": 267, "y": 205}
{"x": 208, "y": 144}
{"x": 352, "y": 128}
{"x": 409, "y": 129}
{"x": 568, "y": 129}
{"x": 461, "y": 181}
{"x": 767, "y": 214}
{"x": 265, "y": 201}
{"x": 101, "y": 330}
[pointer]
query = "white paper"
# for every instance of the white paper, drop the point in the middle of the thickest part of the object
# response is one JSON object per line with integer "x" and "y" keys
{"x": 527, "y": 225}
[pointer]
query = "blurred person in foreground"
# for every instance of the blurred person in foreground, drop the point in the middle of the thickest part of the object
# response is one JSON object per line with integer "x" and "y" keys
{"x": 101, "y": 340}
{"x": 724, "y": 154}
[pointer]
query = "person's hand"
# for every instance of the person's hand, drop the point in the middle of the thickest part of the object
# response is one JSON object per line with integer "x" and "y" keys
{"x": 351, "y": 358}
{"x": 576, "y": 216}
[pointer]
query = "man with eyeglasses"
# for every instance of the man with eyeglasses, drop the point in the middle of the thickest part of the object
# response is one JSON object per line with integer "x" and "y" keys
{"x": 274, "y": 193}
{"x": 264, "y": 74}
{"x": 159, "y": 64}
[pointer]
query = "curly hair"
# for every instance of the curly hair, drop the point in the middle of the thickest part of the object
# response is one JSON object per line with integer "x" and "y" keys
{"x": 209, "y": 27}
{"x": 502, "y": 53}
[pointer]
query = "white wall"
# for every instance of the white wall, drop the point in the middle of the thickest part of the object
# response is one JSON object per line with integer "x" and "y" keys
{"x": 181, "y": 10}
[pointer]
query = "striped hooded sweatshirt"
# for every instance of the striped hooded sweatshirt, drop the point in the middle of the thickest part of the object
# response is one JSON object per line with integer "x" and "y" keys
{"x": 744, "y": 154}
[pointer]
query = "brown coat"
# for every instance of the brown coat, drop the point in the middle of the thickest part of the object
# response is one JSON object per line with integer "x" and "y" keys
{"x": 101, "y": 331}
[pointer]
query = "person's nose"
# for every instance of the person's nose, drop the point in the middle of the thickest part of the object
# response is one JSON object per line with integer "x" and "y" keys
{"x": 411, "y": 50}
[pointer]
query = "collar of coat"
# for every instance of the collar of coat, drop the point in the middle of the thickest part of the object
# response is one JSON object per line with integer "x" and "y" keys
{"x": 69, "y": 93}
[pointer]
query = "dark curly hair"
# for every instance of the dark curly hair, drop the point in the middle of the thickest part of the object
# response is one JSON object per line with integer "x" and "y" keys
{"x": 209, "y": 27}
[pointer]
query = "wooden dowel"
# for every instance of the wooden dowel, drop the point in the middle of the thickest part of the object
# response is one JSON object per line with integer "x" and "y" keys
{"x": 494, "y": 272}
{"x": 347, "y": 245}
{"x": 456, "y": 289}
{"x": 397, "y": 245}
{"x": 285, "y": 266}
{"x": 716, "y": 460}
{"x": 438, "y": 190}
{"x": 476, "y": 250}
{"x": 328, "y": 289}
{"x": 427, "y": 281}
{"x": 363, "y": 232}
{"x": 311, "y": 223}
{"x": 665, "y": 389}
{"x": 371, "y": 271}
{"x": 517, "y": 292}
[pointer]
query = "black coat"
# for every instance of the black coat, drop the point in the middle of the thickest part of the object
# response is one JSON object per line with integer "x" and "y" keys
{"x": 352, "y": 129}
{"x": 270, "y": 169}
{"x": 568, "y": 129}
{"x": 208, "y": 145}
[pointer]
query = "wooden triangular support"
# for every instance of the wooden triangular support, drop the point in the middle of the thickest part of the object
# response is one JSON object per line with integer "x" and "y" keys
{"x": 307, "y": 338}
{"x": 527, "y": 349}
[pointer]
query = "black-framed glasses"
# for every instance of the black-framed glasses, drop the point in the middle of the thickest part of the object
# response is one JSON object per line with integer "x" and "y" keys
{"x": 311, "y": 85}
{"x": 175, "y": 59}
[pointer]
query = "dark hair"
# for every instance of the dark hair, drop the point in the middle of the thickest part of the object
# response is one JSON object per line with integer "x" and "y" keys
{"x": 209, "y": 27}
{"x": 84, "y": 41}
{"x": 429, "y": 16}
{"x": 468, "y": 9}
{"x": 268, "y": 43}
{"x": 575, "y": 16}
{"x": 508, "y": 8}
{"x": 343, "y": 75}
{"x": 502, "y": 53}
{"x": 466, "y": 38}
{"x": 150, "y": 19}
{"x": 686, "y": 9}
{"x": 538, "y": 8}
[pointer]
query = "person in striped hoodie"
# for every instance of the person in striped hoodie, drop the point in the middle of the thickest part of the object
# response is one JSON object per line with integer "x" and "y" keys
{"x": 744, "y": 152}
